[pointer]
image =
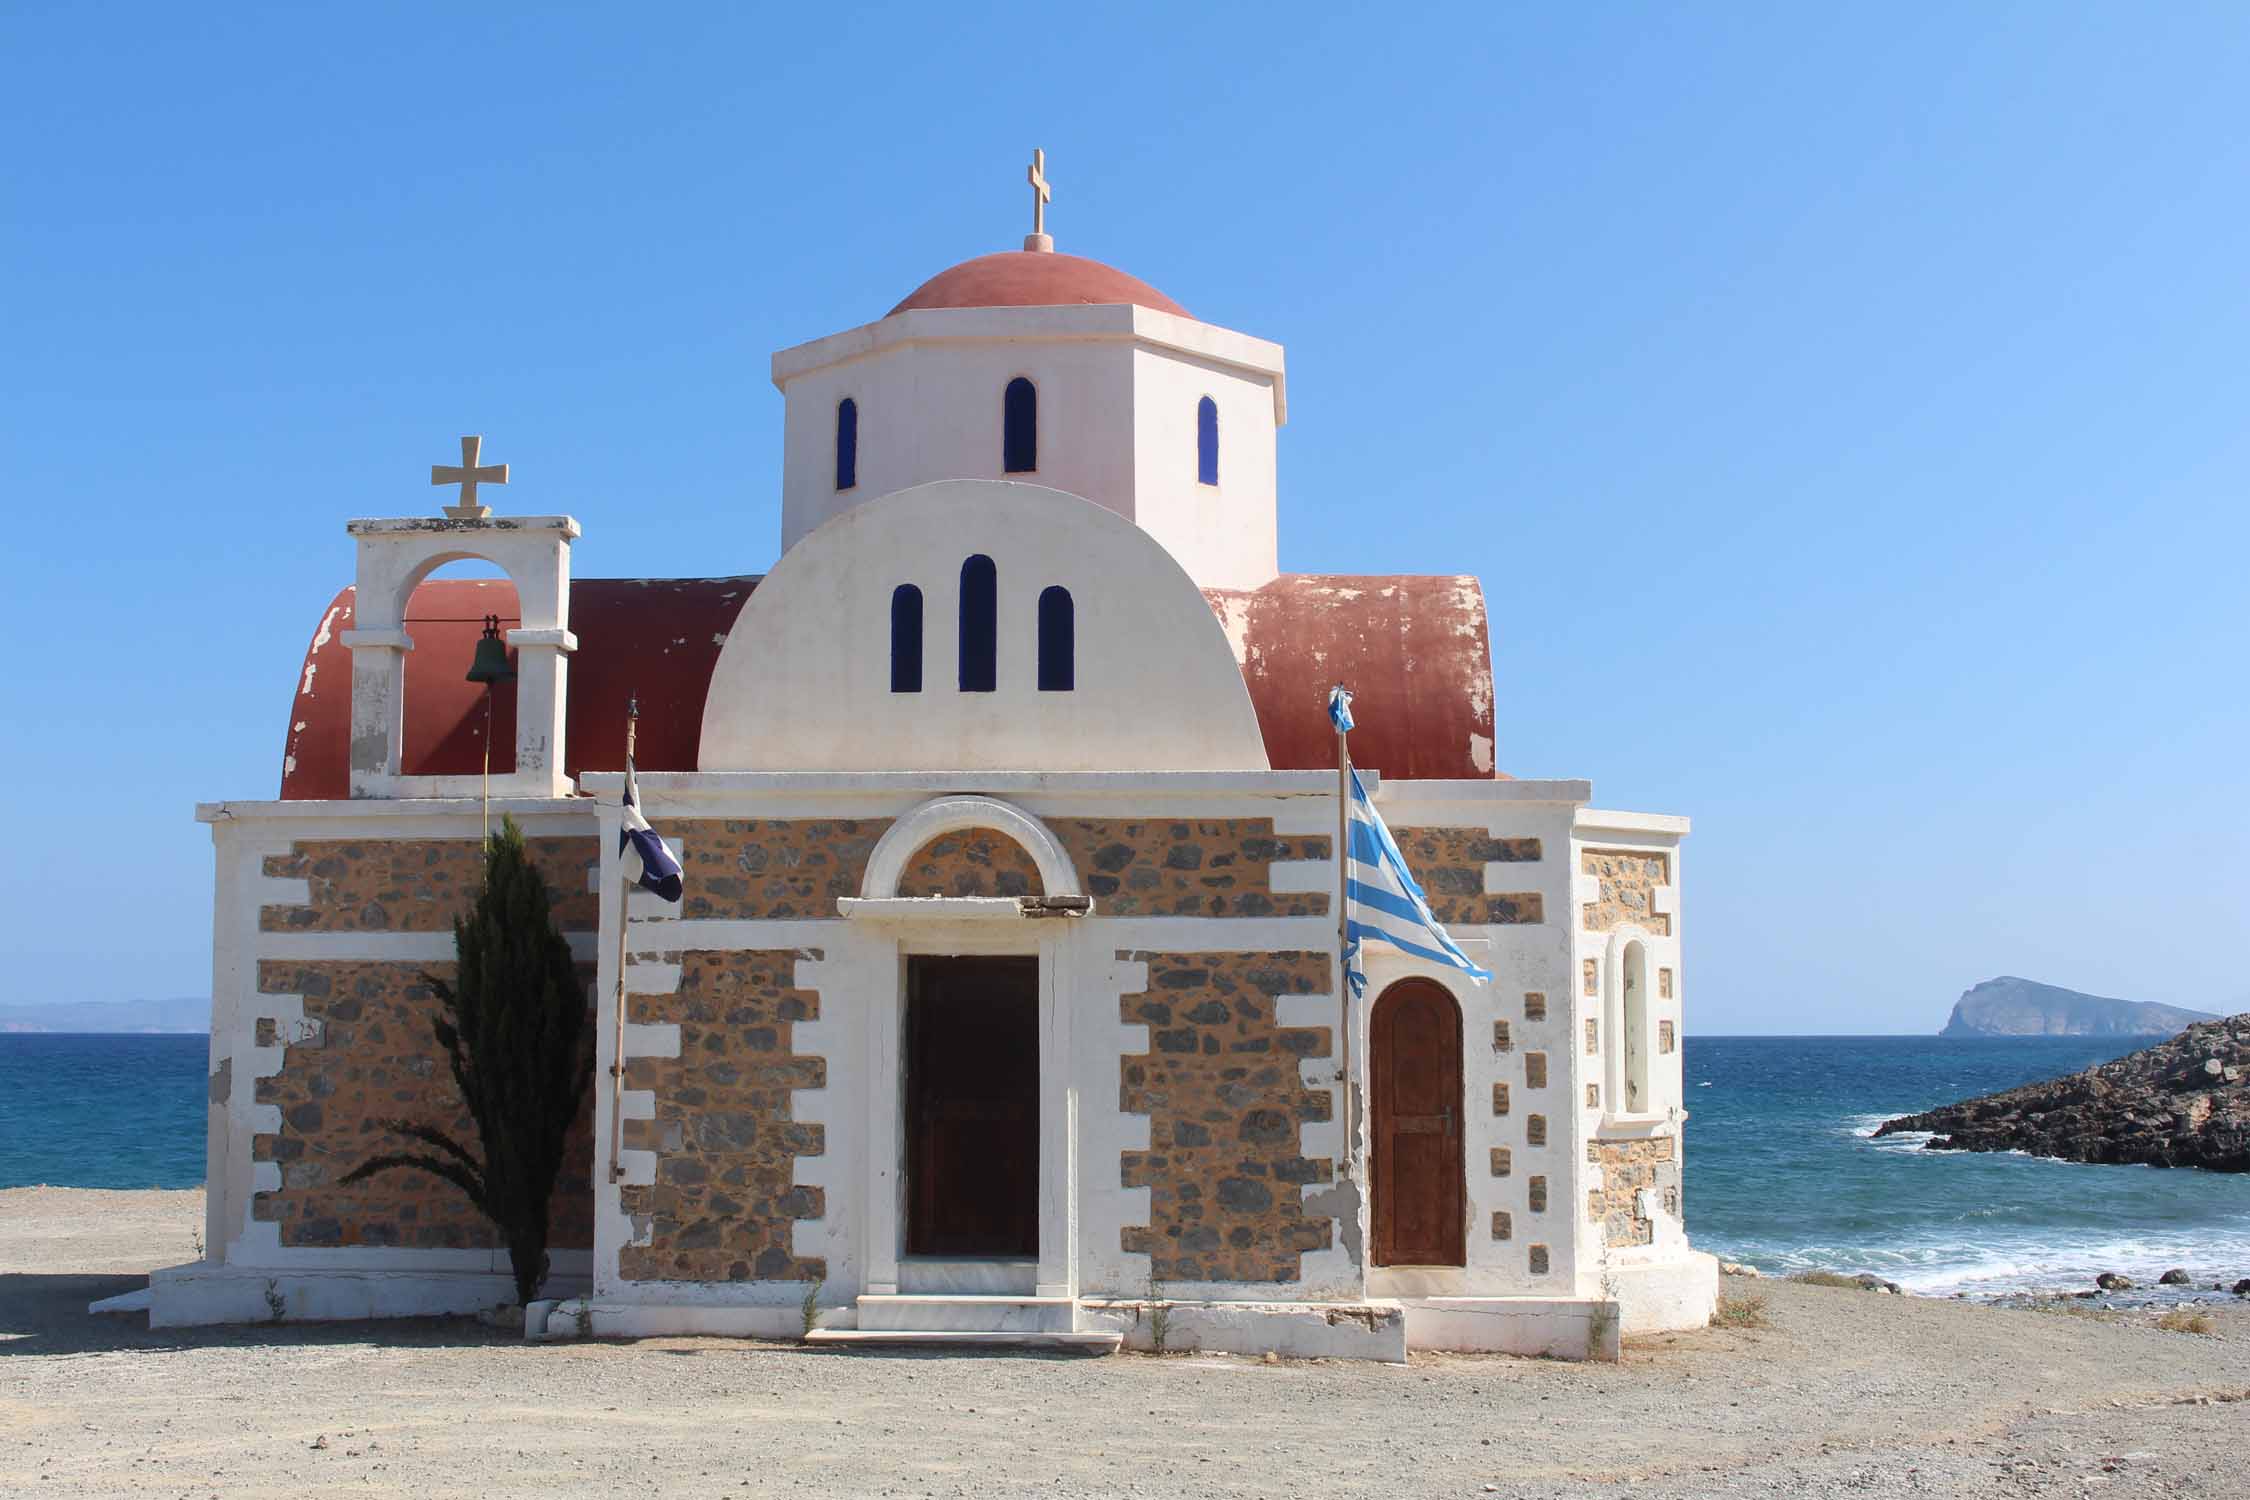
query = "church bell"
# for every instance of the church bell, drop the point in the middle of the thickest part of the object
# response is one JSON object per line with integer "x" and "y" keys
{"x": 491, "y": 664}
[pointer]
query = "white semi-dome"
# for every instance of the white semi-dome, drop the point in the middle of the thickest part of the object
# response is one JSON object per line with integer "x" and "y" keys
{"x": 850, "y": 655}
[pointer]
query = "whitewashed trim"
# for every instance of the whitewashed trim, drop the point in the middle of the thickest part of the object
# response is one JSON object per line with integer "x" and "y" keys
{"x": 944, "y": 815}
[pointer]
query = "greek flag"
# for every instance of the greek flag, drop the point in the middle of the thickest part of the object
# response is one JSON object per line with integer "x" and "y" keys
{"x": 648, "y": 863}
{"x": 1340, "y": 709}
{"x": 1381, "y": 899}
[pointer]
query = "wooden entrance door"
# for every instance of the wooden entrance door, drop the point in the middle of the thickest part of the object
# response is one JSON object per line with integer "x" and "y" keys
{"x": 1414, "y": 1054}
{"x": 972, "y": 1107}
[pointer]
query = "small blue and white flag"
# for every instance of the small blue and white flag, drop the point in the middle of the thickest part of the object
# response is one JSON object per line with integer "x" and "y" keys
{"x": 1340, "y": 708}
{"x": 1381, "y": 899}
{"x": 648, "y": 864}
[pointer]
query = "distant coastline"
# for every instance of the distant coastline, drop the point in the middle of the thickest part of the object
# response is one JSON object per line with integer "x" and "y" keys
{"x": 190, "y": 1015}
{"x": 2008, "y": 1006}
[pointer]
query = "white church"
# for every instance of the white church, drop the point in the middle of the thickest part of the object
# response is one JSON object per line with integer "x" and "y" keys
{"x": 1003, "y": 1005}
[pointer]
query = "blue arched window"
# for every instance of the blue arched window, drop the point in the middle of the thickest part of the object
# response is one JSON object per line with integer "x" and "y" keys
{"x": 980, "y": 625}
{"x": 1058, "y": 641}
{"x": 1019, "y": 438}
{"x": 847, "y": 443}
{"x": 906, "y": 639}
{"x": 1207, "y": 441}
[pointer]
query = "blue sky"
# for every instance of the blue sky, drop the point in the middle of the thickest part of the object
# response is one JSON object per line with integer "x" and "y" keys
{"x": 1846, "y": 407}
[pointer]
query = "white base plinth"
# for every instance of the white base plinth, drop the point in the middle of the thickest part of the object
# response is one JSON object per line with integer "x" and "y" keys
{"x": 1555, "y": 1327}
{"x": 1298, "y": 1330}
{"x": 200, "y": 1294}
{"x": 1678, "y": 1291}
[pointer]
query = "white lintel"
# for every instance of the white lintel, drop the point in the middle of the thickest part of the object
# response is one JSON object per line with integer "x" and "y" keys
{"x": 931, "y": 908}
{"x": 405, "y": 527}
{"x": 1593, "y": 820}
{"x": 1150, "y": 786}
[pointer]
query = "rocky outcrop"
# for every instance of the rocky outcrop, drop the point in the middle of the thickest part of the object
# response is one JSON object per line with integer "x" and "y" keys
{"x": 2182, "y": 1103}
{"x": 2008, "y": 1006}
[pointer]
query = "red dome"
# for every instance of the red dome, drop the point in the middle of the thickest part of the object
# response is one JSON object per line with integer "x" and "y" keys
{"x": 1035, "y": 278}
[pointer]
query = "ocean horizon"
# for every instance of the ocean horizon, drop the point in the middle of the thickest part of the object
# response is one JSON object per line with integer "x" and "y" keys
{"x": 1782, "y": 1171}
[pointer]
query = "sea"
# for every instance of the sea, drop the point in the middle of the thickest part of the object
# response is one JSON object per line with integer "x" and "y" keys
{"x": 1783, "y": 1172}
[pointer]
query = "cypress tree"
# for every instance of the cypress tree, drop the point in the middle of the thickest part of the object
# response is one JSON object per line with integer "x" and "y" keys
{"x": 513, "y": 1025}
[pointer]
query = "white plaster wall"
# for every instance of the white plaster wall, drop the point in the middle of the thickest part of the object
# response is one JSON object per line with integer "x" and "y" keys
{"x": 1117, "y": 392}
{"x": 1225, "y": 535}
{"x": 933, "y": 411}
{"x": 803, "y": 681}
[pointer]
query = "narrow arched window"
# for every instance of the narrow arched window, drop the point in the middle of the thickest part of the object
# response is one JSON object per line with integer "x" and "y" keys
{"x": 1207, "y": 441}
{"x": 906, "y": 639}
{"x": 1019, "y": 438}
{"x": 847, "y": 443}
{"x": 1058, "y": 641}
{"x": 980, "y": 625}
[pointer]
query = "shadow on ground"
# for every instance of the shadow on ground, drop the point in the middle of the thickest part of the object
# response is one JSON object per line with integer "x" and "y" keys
{"x": 47, "y": 1315}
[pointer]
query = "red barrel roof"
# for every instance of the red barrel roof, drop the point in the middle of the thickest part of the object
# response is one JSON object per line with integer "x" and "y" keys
{"x": 1413, "y": 649}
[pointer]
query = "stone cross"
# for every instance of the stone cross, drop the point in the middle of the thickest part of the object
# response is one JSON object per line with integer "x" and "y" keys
{"x": 469, "y": 475}
{"x": 1038, "y": 239}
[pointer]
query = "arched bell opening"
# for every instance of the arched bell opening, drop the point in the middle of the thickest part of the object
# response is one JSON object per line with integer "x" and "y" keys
{"x": 446, "y": 716}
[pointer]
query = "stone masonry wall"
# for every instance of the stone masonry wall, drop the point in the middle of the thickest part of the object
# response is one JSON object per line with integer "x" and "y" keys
{"x": 1211, "y": 867}
{"x": 725, "y": 1200}
{"x": 972, "y": 862}
{"x": 1627, "y": 1168}
{"x": 367, "y": 1056}
{"x": 1206, "y": 867}
{"x": 1628, "y": 883}
{"x": 1221, "y": 1086}
{"x": 772, "y": 867}
{"x": 1449, "y": 863}
{"x": 418, "y": 885}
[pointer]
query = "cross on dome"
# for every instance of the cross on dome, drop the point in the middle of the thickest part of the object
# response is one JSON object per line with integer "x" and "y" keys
{"x": 469, "y": 475}
{"x": 1038, "y": 239}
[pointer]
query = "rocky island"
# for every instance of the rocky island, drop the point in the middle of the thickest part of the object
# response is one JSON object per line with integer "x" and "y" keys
{"x": 2181, "y": 1103}
{"x": 2009, "y": 1006}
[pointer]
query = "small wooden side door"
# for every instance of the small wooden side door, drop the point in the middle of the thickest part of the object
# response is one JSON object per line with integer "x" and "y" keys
{"x": 1414, "y": 1056}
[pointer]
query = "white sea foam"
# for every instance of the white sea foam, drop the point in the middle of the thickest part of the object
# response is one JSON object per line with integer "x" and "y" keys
{"x": 1966, "y": 1233}
{"x": 1863, "y": 1127}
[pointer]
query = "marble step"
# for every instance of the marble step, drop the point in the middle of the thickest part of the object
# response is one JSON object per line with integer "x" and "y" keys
{"x": 966, "y": 1314}
{"x": 957, "y": 1338}
{"x": 972, "y": 1276}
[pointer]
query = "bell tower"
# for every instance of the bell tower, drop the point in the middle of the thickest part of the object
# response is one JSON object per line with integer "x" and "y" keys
{"x": 394, "y": 557}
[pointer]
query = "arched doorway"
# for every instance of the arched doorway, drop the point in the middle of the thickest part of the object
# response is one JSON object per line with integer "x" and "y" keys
{"x": 1414, "y": 1056}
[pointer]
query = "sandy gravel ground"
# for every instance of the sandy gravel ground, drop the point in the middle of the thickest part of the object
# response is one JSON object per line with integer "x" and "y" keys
{"x": 1843, "y": 1393}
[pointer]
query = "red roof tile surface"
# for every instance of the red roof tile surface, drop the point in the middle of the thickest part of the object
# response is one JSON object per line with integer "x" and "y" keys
{"x": 1413, "y": 649}
{"x": 1034, "y": 278}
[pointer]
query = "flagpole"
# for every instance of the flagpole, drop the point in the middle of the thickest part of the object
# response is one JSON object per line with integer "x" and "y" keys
{"x": 617, "y": 1052}
{"x": 1343, "y": 921}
